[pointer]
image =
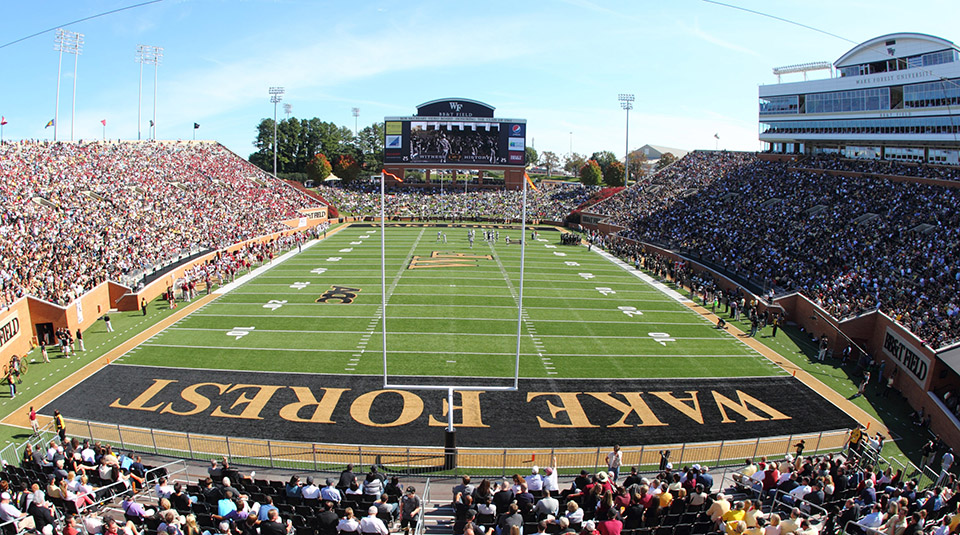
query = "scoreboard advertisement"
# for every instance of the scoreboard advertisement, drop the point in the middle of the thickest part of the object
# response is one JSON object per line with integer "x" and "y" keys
{"x": 455, "y": 140}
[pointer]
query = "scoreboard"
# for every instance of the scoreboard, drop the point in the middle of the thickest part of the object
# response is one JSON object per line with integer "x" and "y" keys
{"x": 473, "y": 141}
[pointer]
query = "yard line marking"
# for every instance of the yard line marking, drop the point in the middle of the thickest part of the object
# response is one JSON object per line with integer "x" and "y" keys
{"x": 488, "y": 353}
{"x": 380, "y": 312}
{"x": 682, "y": 311}
{"x": 524, "y": 317}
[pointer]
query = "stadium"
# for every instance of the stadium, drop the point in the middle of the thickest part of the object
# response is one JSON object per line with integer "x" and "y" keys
{"x": 735, "y": 342}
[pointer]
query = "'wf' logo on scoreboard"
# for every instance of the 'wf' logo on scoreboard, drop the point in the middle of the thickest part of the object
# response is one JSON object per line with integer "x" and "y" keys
{"x": 456, "y": 106}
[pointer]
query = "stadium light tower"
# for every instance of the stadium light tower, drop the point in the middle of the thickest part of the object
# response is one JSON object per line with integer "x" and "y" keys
{"x": 71, "y": 43}
{"x": 356, "y": 115}
{"x": 626, "y": 102}
{"x": 276, "y": 95}
{"x": 287, "y": 109}
{"x": 149, "y": 55}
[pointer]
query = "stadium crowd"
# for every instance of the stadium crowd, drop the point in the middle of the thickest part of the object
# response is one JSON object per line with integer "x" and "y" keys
{"x": 547, "y": 203}
{"x": 852, "y": 244}
{"x": 694, "y": 171}
{"x": 77, "y": 214}
{"x": 67, "y": 487}
{"x": 879, "y": 167}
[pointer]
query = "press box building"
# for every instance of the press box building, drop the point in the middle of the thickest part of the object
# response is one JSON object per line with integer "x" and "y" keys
{"x": 894, "y": 97}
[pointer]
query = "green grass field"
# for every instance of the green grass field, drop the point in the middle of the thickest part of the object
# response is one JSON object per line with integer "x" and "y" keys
{"x": 584, "y": 316}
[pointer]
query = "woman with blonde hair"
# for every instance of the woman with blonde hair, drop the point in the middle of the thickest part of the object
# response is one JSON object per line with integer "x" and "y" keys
{"x": 773, "y": 528}
{"x": 191, "y": 527}
{"x": 349, "y": 523}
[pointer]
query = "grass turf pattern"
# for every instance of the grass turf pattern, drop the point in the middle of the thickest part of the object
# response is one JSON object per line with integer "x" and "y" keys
{"x": 583, "y": 315}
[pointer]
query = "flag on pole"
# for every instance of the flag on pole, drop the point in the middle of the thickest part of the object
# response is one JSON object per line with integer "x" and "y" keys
{"x": 526, "y": 176}
{"x": 51, "y": 123}
{"x": 103, "y": 122}
{"x": 151, "y": 123}
{"x": 398, "y": 179}
{"x": 3, "y": 121}
{"x": 196, "y": 125}
{"x": 717, "y": 136}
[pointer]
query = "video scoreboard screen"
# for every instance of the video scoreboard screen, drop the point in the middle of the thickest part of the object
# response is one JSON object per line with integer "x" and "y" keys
{"x": 459, "y": 141}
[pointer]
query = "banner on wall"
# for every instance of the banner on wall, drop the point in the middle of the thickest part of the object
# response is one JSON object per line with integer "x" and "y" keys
{"x": 9, "y": 329}
{"x": 907, "y": 357}
{"x": 79, "y": 312}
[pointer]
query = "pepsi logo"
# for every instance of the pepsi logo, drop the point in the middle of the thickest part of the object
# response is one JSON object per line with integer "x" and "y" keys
{"x": 515, "y": 129}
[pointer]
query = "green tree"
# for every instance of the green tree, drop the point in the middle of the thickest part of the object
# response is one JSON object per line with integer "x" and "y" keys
{"x": 665, "y": 160}
{"x": 370, "y": 143}
{"x": 346, "y": 167}
{"x": 532, "y": 158}
{"x": 590, "y": 173}
{"x": 613, "y": 175}
{"x": 637, "y": 160}
{"x": 550, "y": 160}
{"x": 573, "y": 162}
{"x": 319, "y": 168}
{"x": 604, "y": 158}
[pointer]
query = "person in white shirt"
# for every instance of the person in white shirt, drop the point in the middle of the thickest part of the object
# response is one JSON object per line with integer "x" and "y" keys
{"x": 615, "y": 461}
{"x": 534, "y": 480}
{"x": 163, "y": 489}
{"x": 370, "y": 524}
{"x": 349, "y": 523}
{"x": 550, "y": 481}
{"x": 310, "y": 491}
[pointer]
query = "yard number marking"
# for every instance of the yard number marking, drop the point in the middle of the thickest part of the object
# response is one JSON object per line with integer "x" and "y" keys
{"x": 274, "y": 304}
{"x": 574, "y": 264}
{"x": 346, "y": 250}
{"x": 240, "y": 332}
{"x": 334, "y": 259}
{"x": 299, "y": 285}
{"x": 318, "y": 271}
{"x": 663, "y": 338}
{"x": 631, "y": 312}
{"x": 604, "y": 290}
{"x": 558, "y": 253}
{"x": 587, "y": 276}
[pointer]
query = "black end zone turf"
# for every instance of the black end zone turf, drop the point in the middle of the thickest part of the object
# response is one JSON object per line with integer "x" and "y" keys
{"x": 544, "y": 413}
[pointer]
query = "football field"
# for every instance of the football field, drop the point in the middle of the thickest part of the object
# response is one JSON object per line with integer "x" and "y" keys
{"x": 451, "y": 312}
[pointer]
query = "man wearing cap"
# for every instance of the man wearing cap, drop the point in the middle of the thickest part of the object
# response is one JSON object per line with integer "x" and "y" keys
{"x": 331, "y": 493}
{"x": 371, "y": 525}
{"x": 534, "y": 481}
{"x": 409, "y": 509}
{"x": 604, "y": 481}
{"x": 614, "y": 461}
{"x": 310, "y": 491}
{"x": 8, "y": 512}
{"x": 550, "y": 481}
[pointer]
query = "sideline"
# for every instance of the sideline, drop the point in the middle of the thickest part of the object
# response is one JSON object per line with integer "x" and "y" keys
{"x": 18, "y": 417}
{"x": 803, "y": 376}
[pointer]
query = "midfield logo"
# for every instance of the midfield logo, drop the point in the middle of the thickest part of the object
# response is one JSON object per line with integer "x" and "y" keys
{"x": 341, "y": 295}
{"x": 438, "y": 259}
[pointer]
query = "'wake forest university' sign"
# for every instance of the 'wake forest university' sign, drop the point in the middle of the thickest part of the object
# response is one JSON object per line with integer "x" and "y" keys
{"x": 356, "y": 409}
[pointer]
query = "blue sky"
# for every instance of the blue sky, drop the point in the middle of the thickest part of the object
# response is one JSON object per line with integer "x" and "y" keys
{"x": 693, "y": 66}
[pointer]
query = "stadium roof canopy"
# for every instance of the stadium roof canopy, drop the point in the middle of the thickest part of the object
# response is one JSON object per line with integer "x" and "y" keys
{"x": 893, "y": 45}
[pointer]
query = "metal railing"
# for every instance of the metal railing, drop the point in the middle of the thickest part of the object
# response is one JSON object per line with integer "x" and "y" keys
{"x": 423, "y": 507}
{"x": 500, "y": 462}
{"x": 807, "y": 508}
